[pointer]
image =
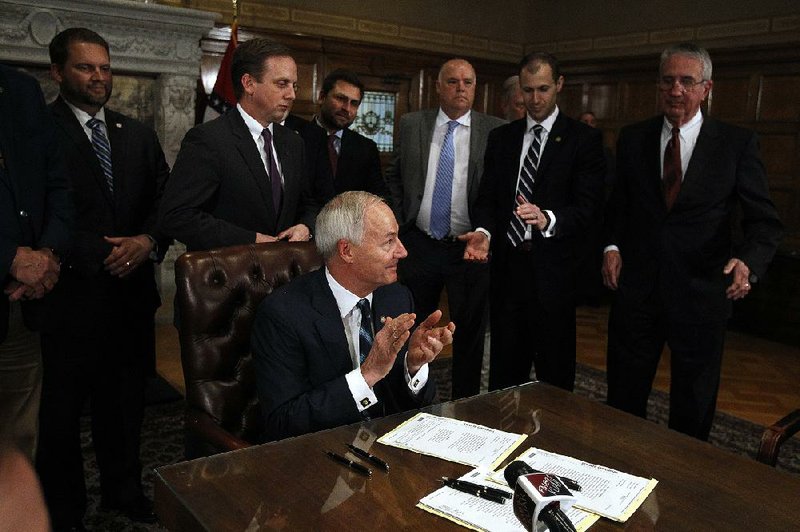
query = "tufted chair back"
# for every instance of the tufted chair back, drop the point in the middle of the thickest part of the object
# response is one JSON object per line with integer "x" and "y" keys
{"x": 218, "y": 292}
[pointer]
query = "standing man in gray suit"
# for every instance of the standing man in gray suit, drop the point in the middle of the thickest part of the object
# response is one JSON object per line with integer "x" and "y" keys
{"x": 433, "y": 180}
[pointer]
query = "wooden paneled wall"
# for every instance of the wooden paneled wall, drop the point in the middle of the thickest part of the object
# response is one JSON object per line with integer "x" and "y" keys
{"x": 755, "y": 87}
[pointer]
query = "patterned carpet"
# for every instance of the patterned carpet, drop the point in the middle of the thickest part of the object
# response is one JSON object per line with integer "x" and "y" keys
{"x": 162, "y": 440}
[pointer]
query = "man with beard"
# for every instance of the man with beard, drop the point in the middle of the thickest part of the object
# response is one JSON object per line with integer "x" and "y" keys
{"x": 98, "y": 332}
{"x": 346, "y": 160}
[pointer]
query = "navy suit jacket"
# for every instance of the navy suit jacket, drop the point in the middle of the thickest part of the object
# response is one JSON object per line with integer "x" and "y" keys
{"x": 678, "y": 256}
{"x": 569, "y": 182}
{"x": 35, "y": 206}
{"x": 219, "y": 192}
{"x": 80, "y": 302}
{"x": 301, "y": 358}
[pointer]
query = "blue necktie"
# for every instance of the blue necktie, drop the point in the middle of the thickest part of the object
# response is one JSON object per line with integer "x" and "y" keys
{"x": 102, "y": 149}
{"x": 443, "y": 189}
{"x": 527, "y": 176}
{"x": 365, "y": 337}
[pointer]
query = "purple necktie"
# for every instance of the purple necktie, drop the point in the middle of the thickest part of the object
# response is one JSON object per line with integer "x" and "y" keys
{"x": 274, "y": 174}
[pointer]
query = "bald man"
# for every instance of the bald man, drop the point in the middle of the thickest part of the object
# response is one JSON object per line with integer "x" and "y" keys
{"x": 433, "y": 179}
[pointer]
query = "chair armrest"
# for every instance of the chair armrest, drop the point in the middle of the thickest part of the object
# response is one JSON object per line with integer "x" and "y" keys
{"x": 205, "y": 428}
{"x": 775, "y": 435}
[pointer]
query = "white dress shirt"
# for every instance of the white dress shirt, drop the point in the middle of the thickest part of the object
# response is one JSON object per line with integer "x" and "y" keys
{"x": 347, "y": 302}
{"x": 256, "y": 130}
{"x": 459, "y": 210}
{"x": 84, "y": 117}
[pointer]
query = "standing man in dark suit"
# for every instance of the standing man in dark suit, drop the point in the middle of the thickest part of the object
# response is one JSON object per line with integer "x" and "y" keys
{"x": 349, "y": 160}
{"x": 542, "y": 188}
{"x": 330, "y": 347}
{"x": 433, "y": 179}
{"x": 99, "y": 330}
{"x": 680, "y": 179}
{"x": 35, "y": 221}
{"x": 242, "y": 177}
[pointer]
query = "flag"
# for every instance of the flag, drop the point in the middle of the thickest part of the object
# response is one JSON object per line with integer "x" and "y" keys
{"x": 222, "y": 98}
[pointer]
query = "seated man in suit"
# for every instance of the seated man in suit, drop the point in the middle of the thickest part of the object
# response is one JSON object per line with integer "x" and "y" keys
{"x": 330, "y": 347}
{"x": 344, "y": 159}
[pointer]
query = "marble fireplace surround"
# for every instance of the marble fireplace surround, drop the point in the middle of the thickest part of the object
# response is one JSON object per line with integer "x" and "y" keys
{"x": 145, "y": 39}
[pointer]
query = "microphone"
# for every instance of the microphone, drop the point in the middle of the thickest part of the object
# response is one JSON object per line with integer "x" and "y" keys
{"x": 538, "y": 497}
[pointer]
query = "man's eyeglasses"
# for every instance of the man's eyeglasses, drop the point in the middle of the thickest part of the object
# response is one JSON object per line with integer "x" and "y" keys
{"x": 686, "y": 83}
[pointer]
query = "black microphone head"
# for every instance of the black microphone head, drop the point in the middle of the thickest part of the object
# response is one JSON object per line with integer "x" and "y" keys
{"x": 516, "y": 469}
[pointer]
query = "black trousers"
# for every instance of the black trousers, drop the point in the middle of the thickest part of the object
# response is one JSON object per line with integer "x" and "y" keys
{"x": 530, "y": 326}
{"x": 435, "y": 264}
{"x": 636, "y": 337}
{"x": 109, "y": 372}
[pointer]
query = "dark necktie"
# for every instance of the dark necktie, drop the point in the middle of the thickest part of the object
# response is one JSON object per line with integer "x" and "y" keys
{"x": 333, "y": 155}
{"x": 673, "y": 172}
{"x": 365, "y": 337}
{"x": 443, "y": 188}
{"x": 274, "y": 174}
{"x": 102, "y": 148}
{"x": 527, "y": 176}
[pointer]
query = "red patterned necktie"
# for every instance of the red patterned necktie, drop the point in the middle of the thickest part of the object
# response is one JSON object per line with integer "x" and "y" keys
{"x": 672, "y": 169}
{"x": 333, "y": 155}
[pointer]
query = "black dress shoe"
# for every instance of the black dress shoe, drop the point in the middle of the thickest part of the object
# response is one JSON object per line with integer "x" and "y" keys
{"x": 139, "y": 510}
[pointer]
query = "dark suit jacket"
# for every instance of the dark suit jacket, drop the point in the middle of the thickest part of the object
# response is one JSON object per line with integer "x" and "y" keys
{"x": 408, "y": 170}
{"x": 569, "y": 183}
{"x": 35, "y": 207}
{"x": 219, "y": 192}
{"x": 679, "y": 256}
{"x": 301, "y": 357}
{"x": 358, "y": 167}
{"x": 81, "y": 300}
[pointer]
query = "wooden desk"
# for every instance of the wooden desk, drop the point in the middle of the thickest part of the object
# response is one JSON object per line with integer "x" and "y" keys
{"x": 292, "y": 485}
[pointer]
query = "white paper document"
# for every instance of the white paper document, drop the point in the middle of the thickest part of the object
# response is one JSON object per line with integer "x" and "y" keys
{"x": 454, "y": 440}
{"x": 606, "y": 492}
{"x": 480, "y": 514}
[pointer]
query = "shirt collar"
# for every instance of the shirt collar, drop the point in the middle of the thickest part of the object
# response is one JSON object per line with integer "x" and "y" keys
{"x": 252, "y": 124}
{"x": 337, "y": 133}
{"x": 695, "y": 121}
{"x": 464, "y": 120}
{"x": 345, "y": 299}
{"x": 547, "y": 123}
{"x": 83, "y": 116}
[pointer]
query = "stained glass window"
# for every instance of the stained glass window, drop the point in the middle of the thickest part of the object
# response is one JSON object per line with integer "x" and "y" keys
{"x": 375, "y": 118}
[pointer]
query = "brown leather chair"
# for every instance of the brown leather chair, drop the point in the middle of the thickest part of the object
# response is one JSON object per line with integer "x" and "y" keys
{"x": 774, "y": 436}
{"x": 218, "y": 292}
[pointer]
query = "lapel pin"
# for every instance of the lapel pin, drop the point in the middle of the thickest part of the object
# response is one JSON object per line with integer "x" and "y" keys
{"x": 558, "y": 139}
{"x": 2, "y": 90}
{"x": 119, "y": 126}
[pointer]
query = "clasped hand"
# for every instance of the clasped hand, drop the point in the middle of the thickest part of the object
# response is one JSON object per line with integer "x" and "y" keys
{"x": 424, "y": 345}
{"x": 35, "y": 273}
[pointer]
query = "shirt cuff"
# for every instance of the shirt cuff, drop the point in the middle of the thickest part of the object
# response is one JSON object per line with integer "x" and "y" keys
{"x": 485, "y": 232}
{"x": 153, "y": 252}
{"x": 612, "y": 247}
{"x": 418, "y": 381}
{"x": 360, "y": 390}
{"x": 550, "y": 230}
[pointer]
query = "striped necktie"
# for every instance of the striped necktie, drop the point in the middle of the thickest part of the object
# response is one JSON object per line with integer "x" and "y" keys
{"x": 443, "y": 188}
{"x": 365, "y": 337}
{"x": 102, "y": 148}
{"x": 527, "y": 176}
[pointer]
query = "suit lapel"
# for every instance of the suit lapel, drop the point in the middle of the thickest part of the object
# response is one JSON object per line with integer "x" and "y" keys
{"x": 280, "y": 137}
{"x": 83, "y": 146}
{"x": 117, "y": 137}
{"x": 328, "y": 322}
{"x": 425, "y": 138}
{"x": 477, "y": 141}
{"x": 249, "y": 153}
{"x": 6, "y": 132}
{"x": 555, "y": 141}
{"x": 706, "y": 146}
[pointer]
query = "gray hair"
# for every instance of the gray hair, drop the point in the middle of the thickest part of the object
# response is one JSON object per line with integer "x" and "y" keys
{"x": 342, "y": 218}
{"x": 689, "y": 50}
{"x": 510, "y": 85}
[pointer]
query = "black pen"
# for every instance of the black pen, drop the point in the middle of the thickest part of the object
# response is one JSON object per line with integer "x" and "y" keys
{"x": 484, "y": 492}
{"x": 367, "y": 456}
{"x": 355, "y": 466}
